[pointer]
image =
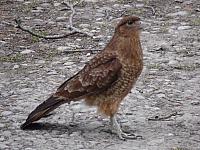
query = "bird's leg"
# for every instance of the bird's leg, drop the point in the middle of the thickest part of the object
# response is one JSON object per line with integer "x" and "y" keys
{"x": 117, "y": 129}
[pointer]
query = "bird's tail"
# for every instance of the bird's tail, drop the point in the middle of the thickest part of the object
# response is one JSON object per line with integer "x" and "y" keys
{"x": 43, "y": 109}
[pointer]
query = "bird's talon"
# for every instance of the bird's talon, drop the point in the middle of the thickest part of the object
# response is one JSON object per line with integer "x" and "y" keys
{"x": 130, "y": 136}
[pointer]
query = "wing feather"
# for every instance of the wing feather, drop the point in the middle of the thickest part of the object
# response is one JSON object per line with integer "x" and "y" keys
{"x": 98, "y": 75}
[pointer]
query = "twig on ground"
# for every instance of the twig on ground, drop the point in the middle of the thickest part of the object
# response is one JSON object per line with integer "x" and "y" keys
{"x": 164, "y": 118}
{"x": 73, "y": 29}
{"x": 152, "y": 9}
{"x": 82, "y": 50}
{"x": 19, "y": 26}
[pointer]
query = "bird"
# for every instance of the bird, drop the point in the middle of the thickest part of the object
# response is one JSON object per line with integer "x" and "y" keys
{"x": 105, "y": 80}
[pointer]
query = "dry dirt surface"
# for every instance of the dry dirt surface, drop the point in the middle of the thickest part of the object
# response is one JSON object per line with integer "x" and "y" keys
{"x": 164, "y": 106}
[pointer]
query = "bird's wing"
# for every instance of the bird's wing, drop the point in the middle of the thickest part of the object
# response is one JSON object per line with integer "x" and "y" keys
{"x": 98, "y": 75}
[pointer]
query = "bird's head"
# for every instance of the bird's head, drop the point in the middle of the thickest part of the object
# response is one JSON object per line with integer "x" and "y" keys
{"x": 128, "y": 26}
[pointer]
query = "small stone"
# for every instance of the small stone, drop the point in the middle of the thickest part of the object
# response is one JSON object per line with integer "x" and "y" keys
{"x": 74, "y": 134}
{"x": 139, "y": 5}
{"x": 36, "y": 11}
{"x": 161, "y": 95}
{"x": 78, "y": 39}
{"x": 25, "y": 90}
{"x": 27, "y": 51}
{"x": 173, "y": 62}
{"x": 46, "y": 5}
{"x": 62, "y": 48}
{"x": 99, "y": 19}
{"x": 88, "y": 54}
{"x": 2, "y": 125}
{"x": 180, "y": 13}
{"x": 127, "y": 5}
{"x": 40, "y": 61}
{"x": 68, "y": 63}
{"x": 177, "y": 7}
{"x": 84, "y": 25}
{"x": 184, "y": 27}
{"x": 3, "y": 146}
{"x": 2, "y": 139}
{"x": 101, "y": 43}
{"x": 170, "y": 134}
{"x": 2, "y": 43}
{"x": 56, "y": 4}
{"x": 52, "y": 72}
{"x": 99, "y": 15}
{"x": 15, "y": 66}
{"x": 38, "y": 21}
{"x": 6, "y": 113}
{"x": 61, "y": 19}
{"x": 188, "y": 2}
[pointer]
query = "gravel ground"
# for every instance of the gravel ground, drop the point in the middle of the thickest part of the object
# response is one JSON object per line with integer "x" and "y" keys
{"x": 163, "y": 107}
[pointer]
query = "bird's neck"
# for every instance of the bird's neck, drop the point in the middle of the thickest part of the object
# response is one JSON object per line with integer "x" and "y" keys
{"x": 127, "y": 48}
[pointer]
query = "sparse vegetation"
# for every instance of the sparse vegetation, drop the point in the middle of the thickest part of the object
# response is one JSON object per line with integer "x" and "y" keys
{"x": 12, "y": 58}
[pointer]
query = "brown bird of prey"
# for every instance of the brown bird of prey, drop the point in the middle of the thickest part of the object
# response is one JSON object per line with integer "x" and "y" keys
{"x": 106, "y": 79}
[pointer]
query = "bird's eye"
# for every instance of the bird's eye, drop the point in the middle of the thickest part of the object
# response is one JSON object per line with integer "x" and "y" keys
{"x": 129, "y": 23}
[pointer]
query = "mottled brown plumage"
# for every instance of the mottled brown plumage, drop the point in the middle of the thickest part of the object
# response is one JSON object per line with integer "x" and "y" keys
{"x": 106, "y": 79}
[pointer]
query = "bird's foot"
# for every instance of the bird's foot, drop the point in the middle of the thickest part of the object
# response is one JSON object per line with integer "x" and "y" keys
{"x": 122, "y": 135}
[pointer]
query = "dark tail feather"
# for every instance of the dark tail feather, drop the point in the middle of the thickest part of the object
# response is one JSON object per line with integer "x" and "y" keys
{"x": 43, "y": 109}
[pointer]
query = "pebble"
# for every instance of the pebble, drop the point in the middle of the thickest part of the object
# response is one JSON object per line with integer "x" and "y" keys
{"x": 61, "y": 19}
{"x": 25, "y": 90}
{"x": 180, "y": 13}
{"x": 2, "y": 43}
{"x": 56, "y": 4}
{"x": 27, "y": 51}
{"x": 62, "y": 48}
{"x": 3, "y": 146}
{"x": 52, "y": 72}
{"x": 184, "y": 27}
{"x": 15, "y": 66}
{"x": 173, "y": 62}
{"x": 6, "y": 113}
{"x": 38, "y": 21}
{"x": 84, "y": 25}
{"x": 68, "y": 63}
{"x": 36, "y": 11}
{"x": 46, "y": 5}
{"x": 2, "y": 125}
{"x": 6, "y": 133}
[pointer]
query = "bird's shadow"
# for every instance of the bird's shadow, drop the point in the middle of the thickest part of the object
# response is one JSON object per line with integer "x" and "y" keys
{"x": 69, "y": 128}
{"x": 74, "y": 127}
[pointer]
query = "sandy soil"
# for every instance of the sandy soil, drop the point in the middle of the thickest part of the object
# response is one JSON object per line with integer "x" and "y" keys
{"x": 163, "y": 107}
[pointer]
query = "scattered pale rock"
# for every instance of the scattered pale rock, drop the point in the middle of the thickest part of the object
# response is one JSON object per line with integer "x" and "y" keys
{"x": 6, "y": 113}
{"x": 56, "y": 4}
{"x": 63, "y": 18}
{"x": 38, "y": 21}
{"x": 46, "y": 5}
{"x": 84, "y": 25}
{"x": 15, "y": 66}
{"x": 180, "y": 13}
{"x": 173, "y": 62}
{"x": 36, "y": 11}
{"x": 52, "y": 72}
{"x": 2, "y": 125}
{"x": 184, "y": 27}
{"x": 25, "y": 90}
{"x": 68, "y": 63}
{"x": 27, "y": 51}
{"x": 62, "y": 48}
